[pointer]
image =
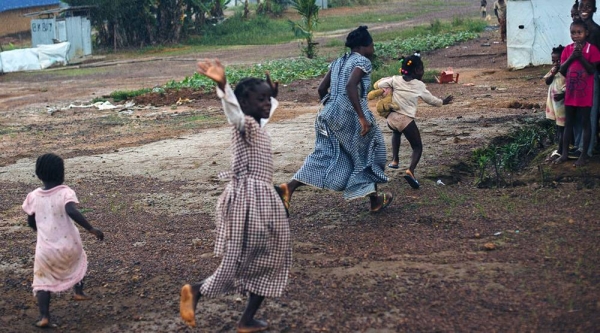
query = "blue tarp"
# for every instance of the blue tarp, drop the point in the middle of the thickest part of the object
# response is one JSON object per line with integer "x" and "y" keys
{"x": 6, "y": 5}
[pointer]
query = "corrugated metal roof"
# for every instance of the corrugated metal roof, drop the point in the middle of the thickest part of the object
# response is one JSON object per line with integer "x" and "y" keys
{"x": 6, "y": 5}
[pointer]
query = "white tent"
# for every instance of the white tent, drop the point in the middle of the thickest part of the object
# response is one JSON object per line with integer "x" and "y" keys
{"x": 534, "y": 27}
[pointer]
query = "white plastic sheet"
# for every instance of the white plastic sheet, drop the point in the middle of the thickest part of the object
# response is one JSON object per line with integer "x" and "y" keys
{"x": 20, "y": 60}
{"x": 53, "y": 54}
{"x": 534, "y": 27}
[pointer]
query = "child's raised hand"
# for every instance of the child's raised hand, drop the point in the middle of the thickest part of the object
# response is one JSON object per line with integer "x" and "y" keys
{"x": 447, "y": 100}
{"x": 98, "y": 233}
{"x": 274, "y": 85}
{"x": 214, "y": 70}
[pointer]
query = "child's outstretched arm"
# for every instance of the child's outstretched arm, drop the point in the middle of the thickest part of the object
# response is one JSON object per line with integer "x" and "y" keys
{"x": 31, "y": 222}
{"x": 76, "y": 215}
{"x": 214, "y": 70}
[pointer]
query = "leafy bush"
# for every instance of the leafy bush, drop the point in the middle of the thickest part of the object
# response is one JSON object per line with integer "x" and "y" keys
{"x": 284, "y": 71}
{"x": 121, "y": 95}
{"x": 424, "y": 43}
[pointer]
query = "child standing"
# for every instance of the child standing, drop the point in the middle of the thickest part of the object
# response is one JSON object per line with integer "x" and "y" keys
{"x": 407, "y": 89}
{"x": 555, "y": 106}
{"x": 483, "y": 9}
{"x": 60, "y": 261}
{"x": 579, "y": 61}
{"x": 253, "y": 234}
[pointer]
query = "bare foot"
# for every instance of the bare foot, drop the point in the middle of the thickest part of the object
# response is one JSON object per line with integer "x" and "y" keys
{"x": 581, "y": 161}
{"x": 81, "y": 297}
{"x": 286, "y": 196}
{"x": 560, "y": 160}
{"x": 187, "y": 304}
{"x": 254, "y": 326}
{"x": 44, "y": 322}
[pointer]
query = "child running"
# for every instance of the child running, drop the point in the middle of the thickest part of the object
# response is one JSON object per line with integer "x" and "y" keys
{"x": 60, "y": 261}
{"x": 579, "y": 61}
{"x": 555, "y": 106}
{"x": 407, "y": 89}
{"x": 253, "y": 234}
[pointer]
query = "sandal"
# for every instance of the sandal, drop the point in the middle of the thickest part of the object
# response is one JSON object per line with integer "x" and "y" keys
{"x": 387, "y": 200}
{"x": 286, "y": 203}
{"x": 393, "y": 166}
{"x": 553, "y": 157}
{"x": 411, "y": 180}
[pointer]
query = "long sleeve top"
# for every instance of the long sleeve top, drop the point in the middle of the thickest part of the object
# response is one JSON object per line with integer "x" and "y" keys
{"x": 407, "y": 93}
{"x": 233, "y": 111}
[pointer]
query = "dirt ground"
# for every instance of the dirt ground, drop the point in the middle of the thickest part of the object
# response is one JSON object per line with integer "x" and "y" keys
{"x": 148, "y": 179}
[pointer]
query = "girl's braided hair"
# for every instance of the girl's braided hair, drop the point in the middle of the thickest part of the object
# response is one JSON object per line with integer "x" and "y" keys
{"x": 50, "y": 168}
{"x": 558, "y": 50}
{"x": 411, "y": 63}
{"x": 245, "y": 86}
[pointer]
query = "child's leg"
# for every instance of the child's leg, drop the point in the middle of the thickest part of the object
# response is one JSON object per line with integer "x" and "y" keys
{"x": 412, "y": 134}
{"x": 43, "y": 299}
{"x": 286, "y": 191}
{"x": 567, "y": 133}
{"x": 189, "y": 297}
{"x": 247, "y": 322}
{"x": 585, "y": 119}
{"x": 79, "y": 295}
{"x": 396, "y": 138}
{"x": 559, "y": 137}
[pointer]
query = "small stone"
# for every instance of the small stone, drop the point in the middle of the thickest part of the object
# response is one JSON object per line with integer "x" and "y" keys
{"x": 489, "y": 246}
{"x": 477, "y": 235}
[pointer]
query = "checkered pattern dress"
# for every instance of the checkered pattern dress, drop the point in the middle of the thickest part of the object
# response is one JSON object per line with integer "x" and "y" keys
{"x": 253, "y": 234}
{"x": 343, "y": 160}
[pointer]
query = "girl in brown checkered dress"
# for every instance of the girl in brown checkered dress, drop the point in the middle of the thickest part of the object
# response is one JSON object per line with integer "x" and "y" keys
{"x": 253, "y": 234}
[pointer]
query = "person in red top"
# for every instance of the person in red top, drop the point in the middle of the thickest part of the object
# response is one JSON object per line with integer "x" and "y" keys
{"x": 579, "y": 61}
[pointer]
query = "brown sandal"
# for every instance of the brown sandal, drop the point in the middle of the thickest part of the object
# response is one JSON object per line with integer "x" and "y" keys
{"x": 387, "y": 200}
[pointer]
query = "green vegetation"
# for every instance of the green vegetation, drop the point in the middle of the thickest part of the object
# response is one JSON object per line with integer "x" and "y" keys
{"x": 258, "y": 30}
{"x": 121, "y": 95}
{"x": 309, "y": 12}
{"x": 507, "y": 154}
{"x": 284, "y": 71}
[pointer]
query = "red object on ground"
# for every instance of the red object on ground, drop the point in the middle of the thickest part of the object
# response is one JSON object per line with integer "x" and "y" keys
{"x": 447, "y": 76}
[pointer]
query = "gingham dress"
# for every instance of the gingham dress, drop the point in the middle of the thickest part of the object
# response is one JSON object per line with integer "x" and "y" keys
{"x": 253, "y": 234}
{"x": 343, "y": 160}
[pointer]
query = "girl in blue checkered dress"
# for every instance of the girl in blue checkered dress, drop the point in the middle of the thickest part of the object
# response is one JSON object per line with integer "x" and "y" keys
{"x": 349, "y": 152}
{"x": 253, "y": 233}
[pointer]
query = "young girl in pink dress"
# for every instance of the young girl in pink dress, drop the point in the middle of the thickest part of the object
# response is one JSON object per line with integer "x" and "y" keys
{"x": 578, "y": 64}
{"x": 60, "y": 262}
{"x": 253, "y": 232}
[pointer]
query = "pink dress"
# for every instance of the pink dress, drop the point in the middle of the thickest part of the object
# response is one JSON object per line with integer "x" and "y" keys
{"x": 579, "y": 83}
{"x": 60, "y": 261}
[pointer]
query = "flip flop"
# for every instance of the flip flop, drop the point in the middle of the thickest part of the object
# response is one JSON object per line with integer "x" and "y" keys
{"x": 393, "y": 166}
{"x": 411, "y": 180}
{"x": 387, "y": 200}
{"x": 554, "y": 156}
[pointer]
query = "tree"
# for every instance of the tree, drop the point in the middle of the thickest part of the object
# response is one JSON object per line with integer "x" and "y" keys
{"x": 142, "y": 22}
{"x": 309, "y": 11}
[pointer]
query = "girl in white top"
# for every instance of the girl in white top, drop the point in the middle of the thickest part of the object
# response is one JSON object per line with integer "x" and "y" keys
{"x": 407, "y": 89}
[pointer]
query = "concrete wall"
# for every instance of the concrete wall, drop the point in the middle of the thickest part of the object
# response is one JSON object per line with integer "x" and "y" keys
{"x": 13, "y": 21}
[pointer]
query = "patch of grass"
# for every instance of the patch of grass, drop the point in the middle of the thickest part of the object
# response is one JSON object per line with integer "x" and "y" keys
{"x": 122, "y": 95}
{"x": 258, "y": 30}
{"x": 507, "y": 154}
